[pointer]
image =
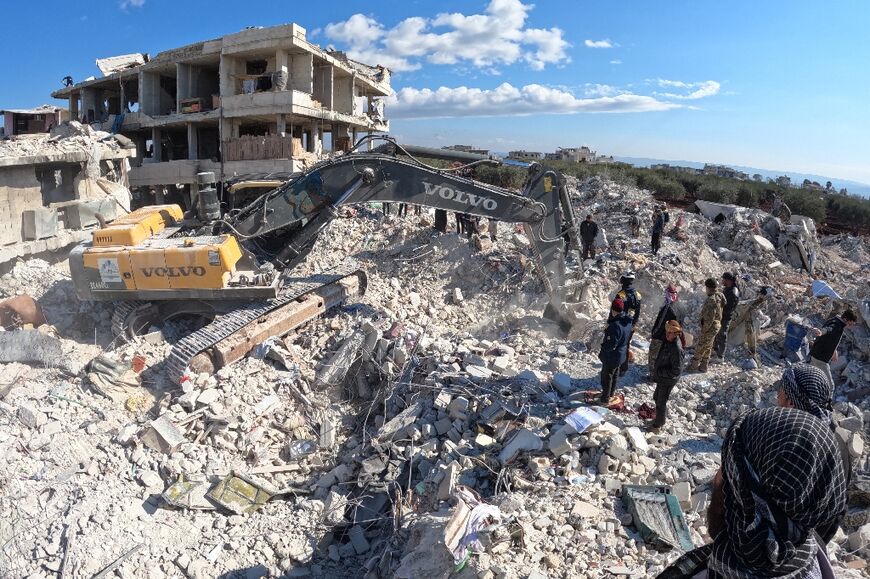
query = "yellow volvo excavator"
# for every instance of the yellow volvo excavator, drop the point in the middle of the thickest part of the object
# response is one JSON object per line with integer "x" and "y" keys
{"x": 232, "y": 269}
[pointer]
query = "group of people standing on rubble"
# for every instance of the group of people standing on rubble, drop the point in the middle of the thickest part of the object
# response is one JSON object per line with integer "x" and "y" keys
{"x": 719, "y": 315}
{"x": 780, "y": 493}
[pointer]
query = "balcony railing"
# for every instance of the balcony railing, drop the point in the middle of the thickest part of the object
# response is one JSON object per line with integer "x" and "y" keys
{"x": 254, "y": 148}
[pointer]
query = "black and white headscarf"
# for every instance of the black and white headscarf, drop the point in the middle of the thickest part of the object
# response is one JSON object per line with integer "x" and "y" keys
{"x": 782, "y": 477}
{"x": 809, "y": 390}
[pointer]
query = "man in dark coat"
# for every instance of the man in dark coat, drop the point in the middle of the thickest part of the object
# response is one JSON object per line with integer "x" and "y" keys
{"x": 669, "y": 366}
{"x": 732, "y": 298}
{"x": 630, "y": 298}
{"x": 824, "y": 348}
{"x": 670, "y": 310}
{"x": 614, "y": 349}
{"x": 659, "y": 220}
{"x": 588, "y": 232}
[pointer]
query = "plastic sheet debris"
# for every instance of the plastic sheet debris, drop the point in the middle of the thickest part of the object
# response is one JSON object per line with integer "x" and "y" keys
{"x": 822, "y": 289}
{"x": 583, "y": 418}
{"x": 113, "y": 378}
{"x": 657, "y": 515}
{"x": 469, "y": 518}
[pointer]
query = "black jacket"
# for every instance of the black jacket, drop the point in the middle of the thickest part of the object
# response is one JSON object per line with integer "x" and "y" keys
{"x": 672, "y": 311}
{"x": 631, "y": 299}
{"x": 732, "y": 298}
{"x": 614, "y": 348}
{"x": 588, "y": 231}
{"x": 669, "y": 363}
{"x": 825, "y": 345}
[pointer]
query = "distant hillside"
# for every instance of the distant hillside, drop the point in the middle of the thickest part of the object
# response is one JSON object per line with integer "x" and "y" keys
{"x": 862, "y": 189}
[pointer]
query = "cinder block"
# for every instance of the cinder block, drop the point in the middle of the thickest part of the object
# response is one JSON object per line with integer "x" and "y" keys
{"x": 82, "y": 214}
{"x": 39, "y": 223}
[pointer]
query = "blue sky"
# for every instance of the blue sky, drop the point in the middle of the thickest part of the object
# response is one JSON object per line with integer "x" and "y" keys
{"x": 778, "y": 85}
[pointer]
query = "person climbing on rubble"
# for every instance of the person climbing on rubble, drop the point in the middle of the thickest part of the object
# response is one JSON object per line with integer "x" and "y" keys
{"x": 658, "y": 228}
{"x": 614, "y": 349}
{"x": 670, "y": 310}
{"x": 668, "y": 367}
{"x": 630, "y": 297}
{"x": 711, "y": 316}
{"x": 780, "y": 481}
{"x": 588, "y": 232}
{"x": 807, "y": 388}
{"x": 746, "y": 318}
{"x": 824, "y": 348}
{"x": 634, "y": 222}
{"x": 732, "y": 298}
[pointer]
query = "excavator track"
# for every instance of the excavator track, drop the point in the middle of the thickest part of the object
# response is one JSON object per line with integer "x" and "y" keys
{"x": 225, "y": 325}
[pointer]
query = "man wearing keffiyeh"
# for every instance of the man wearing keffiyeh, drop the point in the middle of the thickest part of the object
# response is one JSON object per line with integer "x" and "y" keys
{"x": 807, "y": 388}
{"x": 781, "y": 478}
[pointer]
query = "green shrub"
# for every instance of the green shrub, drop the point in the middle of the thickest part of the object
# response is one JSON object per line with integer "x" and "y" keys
{"x": 717, "y": 192}
{"x": 808, "y": 203}
{"x": 850, "y": 210}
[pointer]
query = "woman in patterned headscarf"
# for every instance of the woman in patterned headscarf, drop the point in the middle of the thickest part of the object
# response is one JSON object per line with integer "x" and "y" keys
{"x": 781, "y": 478}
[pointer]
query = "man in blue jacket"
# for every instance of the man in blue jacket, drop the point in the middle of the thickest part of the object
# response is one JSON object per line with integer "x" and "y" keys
{"x": 614, "y": 349}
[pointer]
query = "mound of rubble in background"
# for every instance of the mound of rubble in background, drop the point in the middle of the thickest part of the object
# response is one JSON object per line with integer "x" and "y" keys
{"x": 437, "y": 416}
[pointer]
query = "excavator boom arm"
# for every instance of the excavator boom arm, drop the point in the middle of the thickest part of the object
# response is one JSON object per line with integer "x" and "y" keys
{"x": 313, "y": 198}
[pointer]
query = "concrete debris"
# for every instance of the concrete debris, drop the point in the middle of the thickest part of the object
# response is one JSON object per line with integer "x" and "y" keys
{"x": 380, "y": 428}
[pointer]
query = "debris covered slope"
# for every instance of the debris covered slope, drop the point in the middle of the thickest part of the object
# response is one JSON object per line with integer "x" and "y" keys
{"x": 438, "y": 416}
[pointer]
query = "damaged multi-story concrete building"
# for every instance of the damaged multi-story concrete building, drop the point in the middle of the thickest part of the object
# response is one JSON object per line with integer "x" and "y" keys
{"x": 260, "y": 101}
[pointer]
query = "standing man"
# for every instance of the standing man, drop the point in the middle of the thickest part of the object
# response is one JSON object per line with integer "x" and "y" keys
{"x": 747, "y": 318}
{"x": 634, "y": 224}
{"x": 631, "y": 298}
{"x": 670, "y": 310}
{"x": 732, "y": 298}
{"x": 669, "y": 365}
{"x": 441, "y": 220}
{"x": 711, "y": 316}
{"x": 657, "y": 229}
{"x": 614, "y": 349}
{"x": 824, "y": 348}
{"x": 588, "y": 232}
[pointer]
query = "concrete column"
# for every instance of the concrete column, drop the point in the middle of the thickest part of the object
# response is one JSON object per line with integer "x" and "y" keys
{"x": 318, "y": 140}
{"x": 192, "y": 141}
{"x": 73, "y": 107}
{"x": 89, "y": 103}
{"x": 182, "y": 85}
{"x": 227, "y": 72}
{"x": 281, "y": 123}
{"x": 149, "y": 93}
{"x": 282, "y": 69}
{"x": 157, "y": 157}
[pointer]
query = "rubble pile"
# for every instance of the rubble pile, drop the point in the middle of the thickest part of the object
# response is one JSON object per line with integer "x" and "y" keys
{"x": 70, "y": 137}
{"x": 439, "y": 427}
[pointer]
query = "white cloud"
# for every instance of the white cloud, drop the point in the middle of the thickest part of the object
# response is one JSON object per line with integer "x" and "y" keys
{"x": 600, "y": 90}
{"x": 507, "y": 100}
{"x": 697, "y": 90}
{"x": 616, "y": 61}
{"x": 606, "y": 43}
{"x": 496, "y": 37}
{"x": 124, "y": 4}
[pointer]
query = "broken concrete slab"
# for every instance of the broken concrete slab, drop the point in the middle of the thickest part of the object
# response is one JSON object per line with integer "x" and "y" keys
{"x": 524, "y": 440}
{"x": 396, "y": 427}
{"x": 163, "y": 436}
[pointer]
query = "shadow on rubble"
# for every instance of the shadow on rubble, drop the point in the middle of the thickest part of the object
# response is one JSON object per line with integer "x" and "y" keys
{"x": 83, "y": 322}
{"x": 255, "y": 572}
